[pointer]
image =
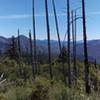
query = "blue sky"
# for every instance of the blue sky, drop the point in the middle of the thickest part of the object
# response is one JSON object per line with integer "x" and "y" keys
{"x": 16, "y": 14}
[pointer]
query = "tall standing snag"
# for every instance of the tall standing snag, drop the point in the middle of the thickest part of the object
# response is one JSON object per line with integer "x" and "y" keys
{"x": 96, "y": 79}
{"x": 68, "y": 46}
{"x": 73, "y": 40}
{"x": 34, "y": 37}
{"x": 31, "y": 53}
{"x": 48, "y": 34}
{"x": 74, "y": 48}
{"x": 58, "y": 35}
{"x": 75, "y": 44}
{"x": 19, "y": 52}
{"x": 75, "y": 51}
{"x": 56, "y": 22}
{"x": 87, "y": 86}
{"x": 19, "y": 45}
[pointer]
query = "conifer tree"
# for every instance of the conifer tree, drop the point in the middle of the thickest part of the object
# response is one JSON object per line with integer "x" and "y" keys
{"x": 12, "y": 51}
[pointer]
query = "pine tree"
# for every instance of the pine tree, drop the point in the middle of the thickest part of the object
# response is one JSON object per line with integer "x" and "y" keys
{"x": 12, "y": 51}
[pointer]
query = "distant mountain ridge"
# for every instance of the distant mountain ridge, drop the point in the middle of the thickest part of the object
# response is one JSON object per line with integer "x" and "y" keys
{"x": 93, "y": 47}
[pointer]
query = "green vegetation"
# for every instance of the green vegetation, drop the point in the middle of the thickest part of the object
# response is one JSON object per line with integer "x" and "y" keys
{"x": 22, "y": 86}
{"x": 36, "y": 75}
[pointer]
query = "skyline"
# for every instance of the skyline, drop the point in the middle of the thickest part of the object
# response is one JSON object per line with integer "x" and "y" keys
{"x": 16, "y": 14}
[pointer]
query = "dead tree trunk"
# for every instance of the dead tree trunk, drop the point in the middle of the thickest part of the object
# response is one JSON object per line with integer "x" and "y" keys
{"x": 75, "y": 62}
{"x": 56, "y": 22}
{"x": 34, "y": 37}
{"x": 19, "y": 45}
{"x": 48, "y": 34}
{"x": 68, "y": 46}
{"x": 31, "y": 54}
{"x": 87, "y": 86}
{"x": 96, "y": 80}
{"x": 19, "y": 53}
{"x": 74, "y": 51}
{"x": 58, "y": 35}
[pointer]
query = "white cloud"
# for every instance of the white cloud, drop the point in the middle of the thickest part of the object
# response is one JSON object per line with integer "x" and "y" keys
{"x": 24, "y": 16}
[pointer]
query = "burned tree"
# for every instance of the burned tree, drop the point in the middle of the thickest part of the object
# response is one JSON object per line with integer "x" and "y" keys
{"x": 34, "y": 37}
{"x": 68, "y": 46}
{"x": 31, "y": 53}
{"x": 96, "y": 79}
{"x": 87, "y": 86}
{"x": 48, "y": 35}
{"x": 74, "y": 48}
{"x": 75, "y": 52}
{"x": 56, "y": 22}
{"x": 22, "y": 70}
{"x": 19, "y": 54}
{"x": 58, "y": 35}
{"x": 19, "y": 45}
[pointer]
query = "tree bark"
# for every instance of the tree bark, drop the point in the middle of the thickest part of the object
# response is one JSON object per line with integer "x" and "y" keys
{"x": 48, "y": 35}
{"x": 87, "y": 86}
